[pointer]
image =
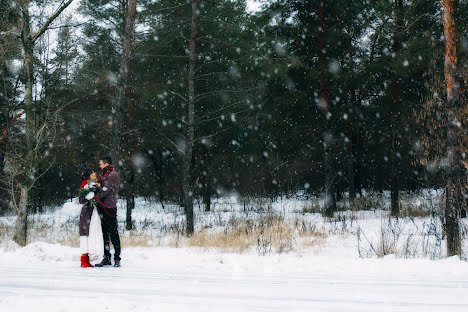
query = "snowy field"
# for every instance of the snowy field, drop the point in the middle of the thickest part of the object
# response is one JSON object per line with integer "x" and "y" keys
{"x": 44, "y": 277}
{"x": 357, "y": 261}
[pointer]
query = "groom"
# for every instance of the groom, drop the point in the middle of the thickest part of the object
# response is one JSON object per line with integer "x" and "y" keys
{"x": 107, "y": 207}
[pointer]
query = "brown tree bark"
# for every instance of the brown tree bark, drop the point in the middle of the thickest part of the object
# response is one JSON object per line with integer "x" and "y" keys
{"x": 190, "y": 127}
{"x": 330, "y": 201}
{"x": 454, "y": 170}
{"x": 395, "y": 144}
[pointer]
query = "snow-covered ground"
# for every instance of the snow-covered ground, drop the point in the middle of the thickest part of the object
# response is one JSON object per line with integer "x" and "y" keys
{"x": 45, "y": 277}
{"x": 357, "y": 261}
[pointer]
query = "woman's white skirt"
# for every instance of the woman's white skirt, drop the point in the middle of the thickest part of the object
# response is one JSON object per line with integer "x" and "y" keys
{"x": 94, "y": 243}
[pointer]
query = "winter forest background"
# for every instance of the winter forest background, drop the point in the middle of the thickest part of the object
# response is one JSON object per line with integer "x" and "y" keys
{"x": 333, "y": 103}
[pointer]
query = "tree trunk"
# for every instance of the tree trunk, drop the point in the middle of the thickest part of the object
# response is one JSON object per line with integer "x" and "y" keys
{"x": 122, "y": 83}
{"x": 349, "y": 145}
{"x": 21, "y": 228}
{"x": 28, "y": 59}
{"x": 187, "y": 157}
{"x": 357, "y": 144}
{"x": 455, "y": 168}
{"x": 3, "y": 195}
{"x": 130, "y": 202}
{"x": 330, "y": 202}
{"x": 394, "y": 157}
{"x": 28, "y": 41}
{"x": 160, "y": 172}
{"x": 206, "y": 178}
{"x": 120, "y": 129}
{"x": 157, "y": 161}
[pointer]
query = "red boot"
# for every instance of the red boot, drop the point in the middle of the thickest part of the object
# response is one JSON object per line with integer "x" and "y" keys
{"x": 85, "y": 262}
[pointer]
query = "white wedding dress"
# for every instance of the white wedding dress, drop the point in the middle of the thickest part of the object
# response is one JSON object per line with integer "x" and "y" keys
{"x": 94, "y": 243}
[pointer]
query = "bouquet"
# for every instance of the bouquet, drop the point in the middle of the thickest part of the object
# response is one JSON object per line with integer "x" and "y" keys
{"x": 89, "y": 191}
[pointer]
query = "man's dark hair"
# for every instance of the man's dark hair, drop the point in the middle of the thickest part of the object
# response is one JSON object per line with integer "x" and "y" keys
{"x": 86, "y": 173}
{"x": 107, "y": 160}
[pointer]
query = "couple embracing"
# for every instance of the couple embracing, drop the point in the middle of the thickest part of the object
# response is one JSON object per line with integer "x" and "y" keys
{"x": 98, "y": 219}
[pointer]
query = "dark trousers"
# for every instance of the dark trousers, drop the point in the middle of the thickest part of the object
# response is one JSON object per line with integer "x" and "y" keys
{"x": 109, "y": 231}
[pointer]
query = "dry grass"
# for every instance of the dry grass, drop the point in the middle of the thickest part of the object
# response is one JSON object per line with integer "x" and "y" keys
{"x": 366, "y": 203}
{"x": 268, "y": 233}
{"x": 136, "y": 241}
{"x": 407, "y": 210}
{"x": 3, "y": 230}
{"x": 357, "y": 204}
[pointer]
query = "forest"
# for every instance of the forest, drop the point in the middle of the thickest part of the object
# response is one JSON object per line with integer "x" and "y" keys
{"x": 196, "y": 100}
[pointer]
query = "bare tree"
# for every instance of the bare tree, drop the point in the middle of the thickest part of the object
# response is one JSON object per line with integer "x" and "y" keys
{"x": 28, "y": 41}
{"x": 454, "y": 169}
{"x": 17, "y": 178}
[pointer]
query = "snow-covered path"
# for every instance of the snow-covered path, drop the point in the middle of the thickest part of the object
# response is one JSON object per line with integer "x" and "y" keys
{"x": 184, "y": 280}
{"x": 59, "y": 289}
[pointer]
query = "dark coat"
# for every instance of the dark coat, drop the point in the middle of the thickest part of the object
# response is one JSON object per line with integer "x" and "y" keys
{"x": 110, "y": 183}
{"x": 85, "y": 216}
{"x": 86, "y": 213}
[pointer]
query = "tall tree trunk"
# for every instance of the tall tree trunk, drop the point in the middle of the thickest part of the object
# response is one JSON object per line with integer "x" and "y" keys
{"x": 454, "y": 169}
{"x": 350, "y": 150}
{"x": 120, "y": 128}
{"x": 330, "y": 202}
{"x": 394, "y": 157}
{"x": 28, "y": 40}
{"x": 122, "y": 83}
{"x": 358, "y": 150}
{"x": 187, "y": 157}
{"x": 3, "y": 201}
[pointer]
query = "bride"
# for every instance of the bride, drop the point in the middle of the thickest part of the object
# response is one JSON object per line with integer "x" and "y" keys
{"x": 91, "y": 239}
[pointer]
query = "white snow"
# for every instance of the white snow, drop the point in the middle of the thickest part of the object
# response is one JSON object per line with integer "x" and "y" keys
{"x": 45, "y": 277}
{"x": 70, "y": 209}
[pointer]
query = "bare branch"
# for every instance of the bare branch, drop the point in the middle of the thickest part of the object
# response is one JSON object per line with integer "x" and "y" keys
{"x": 5, "y": 132}
{"x": 50, "y": 20}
